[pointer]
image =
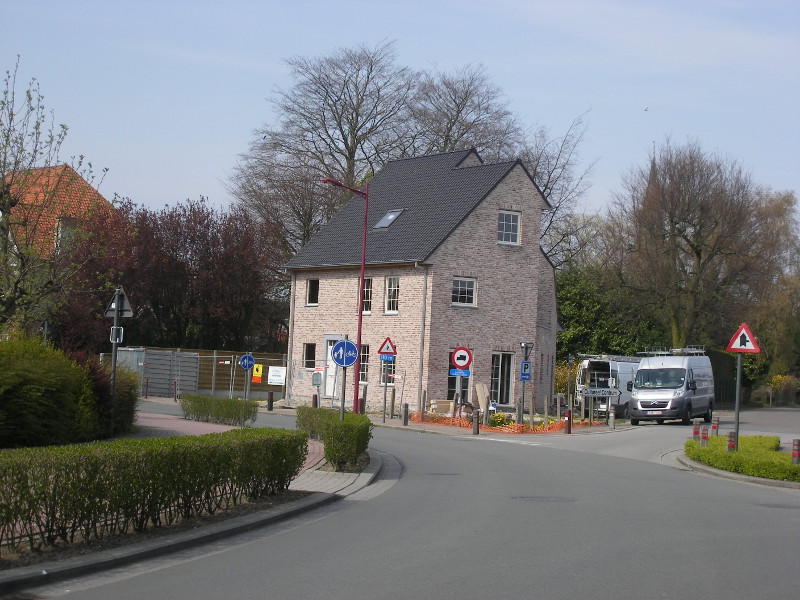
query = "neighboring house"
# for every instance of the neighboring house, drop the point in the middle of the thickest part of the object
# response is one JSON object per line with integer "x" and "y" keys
{"x": 50, "y": 202}
{"x": 453, "y": 260}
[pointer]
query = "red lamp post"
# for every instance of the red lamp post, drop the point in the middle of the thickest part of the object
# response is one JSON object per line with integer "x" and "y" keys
{"x": 365, "y": 195}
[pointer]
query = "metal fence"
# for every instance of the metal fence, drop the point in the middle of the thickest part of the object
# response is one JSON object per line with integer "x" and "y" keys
{"x": 170, "y": 372}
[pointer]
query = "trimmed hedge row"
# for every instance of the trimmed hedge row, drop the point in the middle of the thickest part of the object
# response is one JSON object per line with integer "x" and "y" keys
{"x": 224, "y": 411}
{"x": 55, "y": 495}
{"x": 757, "y": 456}
{"x": 344, "y": 441}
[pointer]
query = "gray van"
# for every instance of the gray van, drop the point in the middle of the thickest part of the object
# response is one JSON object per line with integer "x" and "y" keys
{"x": 675, "y": 384}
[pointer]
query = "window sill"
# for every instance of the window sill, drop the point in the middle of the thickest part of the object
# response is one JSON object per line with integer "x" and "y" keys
{"x": 460, "y": 305}
{"x": 391, "y": 313}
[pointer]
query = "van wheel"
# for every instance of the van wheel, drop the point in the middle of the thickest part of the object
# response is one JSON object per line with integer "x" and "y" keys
{"x": 626, "y": 413}
{"x": 709, "y": 412}
{"x": 687, "y": 417}
{"x": 660, "y": 421}
{"x": 634, "y": 422}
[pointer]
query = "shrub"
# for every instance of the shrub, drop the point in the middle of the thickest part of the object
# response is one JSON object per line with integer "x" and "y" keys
{"x": 346, "y": 440}
{"x": 224, "y": 411}
{"x": 499, "y": 419}
{"x": 64, "y": 493}
{"x": 313, "y": 420}
{"x": 45, "y": 398}
{"x": 757, "y": 456}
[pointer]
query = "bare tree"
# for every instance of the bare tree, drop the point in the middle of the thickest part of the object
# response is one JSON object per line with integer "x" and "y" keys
{"x": 555, "y": 165}
{"x": 285, "y": 194}
{"x": 698, "y": 240}
{"x": 461, "y": 110}
{"x": 346, "y": 114}
{"x": 29, "y": 138}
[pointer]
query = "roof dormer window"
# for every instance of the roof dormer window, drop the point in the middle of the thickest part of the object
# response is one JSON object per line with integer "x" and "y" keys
{"x": 388, "y": 218}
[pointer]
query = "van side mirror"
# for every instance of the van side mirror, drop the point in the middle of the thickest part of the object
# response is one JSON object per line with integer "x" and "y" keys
{"x": 630, "y": 386}
{"x": 693, "y": 385}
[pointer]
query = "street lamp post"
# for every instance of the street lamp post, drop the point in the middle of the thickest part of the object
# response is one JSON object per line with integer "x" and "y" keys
{"x": 365, "y": 195}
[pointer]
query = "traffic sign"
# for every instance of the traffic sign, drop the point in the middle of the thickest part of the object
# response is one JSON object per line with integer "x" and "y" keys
{"x": 387, "y": 357}
{"x": 344, "y": 353}
{"x": 247, "y": 361}
{"x": 387, "y": 347}
{"x": 459, "y": 372}
{"x": 125, "y": 309}
{"x": 743, "y": 341}
{"x": 524, "y": 370}
{"x": 461, "y": 358}
{"x": 600, "y": 392}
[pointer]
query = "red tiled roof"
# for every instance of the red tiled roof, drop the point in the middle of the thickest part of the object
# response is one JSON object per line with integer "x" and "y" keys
{"x": 47, "y": 195}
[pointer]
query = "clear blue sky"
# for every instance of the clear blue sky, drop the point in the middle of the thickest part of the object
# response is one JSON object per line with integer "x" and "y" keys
{"x": 166, "y": 94}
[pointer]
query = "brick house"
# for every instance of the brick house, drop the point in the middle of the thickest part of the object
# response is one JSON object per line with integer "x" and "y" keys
{"x": 453, "y": 260}
{"x": 49, "y": 203}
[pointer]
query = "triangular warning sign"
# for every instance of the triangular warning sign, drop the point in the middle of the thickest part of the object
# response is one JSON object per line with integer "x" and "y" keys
{"x": 125, "y": 309}
{"x": 387, "y": 347}
{"x": 743, "y": 341}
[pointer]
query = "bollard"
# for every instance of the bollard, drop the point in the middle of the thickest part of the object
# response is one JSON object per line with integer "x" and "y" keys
{"x": 796, "y": 452}
{"x": 270, "y": 400}
{"x": 391, "y": 410}
{"x": 476, "y": 422}
{"x": 405, "y": 413}
{"x": 715, "y": 426}
{"x": 696, "y": 431}
{"x": 568, "y": 419}
{"x": 612, "y": 418}
{"x": 704, "y": 436}
{"x": 314, "y": 401}
{"x": 731, "y": 441}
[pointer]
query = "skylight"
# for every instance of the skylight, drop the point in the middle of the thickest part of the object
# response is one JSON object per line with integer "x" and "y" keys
{"x": 388, "y": 218}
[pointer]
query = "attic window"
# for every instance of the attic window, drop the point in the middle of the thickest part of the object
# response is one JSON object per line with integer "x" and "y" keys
{"x": 388, "y": 218}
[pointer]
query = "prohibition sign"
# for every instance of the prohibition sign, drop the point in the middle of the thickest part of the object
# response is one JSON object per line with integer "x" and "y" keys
{"x": 461, "y": 358}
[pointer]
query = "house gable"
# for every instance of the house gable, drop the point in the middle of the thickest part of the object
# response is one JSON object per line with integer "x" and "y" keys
{"x": 51, "y": 202}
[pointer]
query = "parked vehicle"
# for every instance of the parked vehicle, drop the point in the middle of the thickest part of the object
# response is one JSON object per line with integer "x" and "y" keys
{"x": 602, "y": 380}
{"x": 673, "y": 384}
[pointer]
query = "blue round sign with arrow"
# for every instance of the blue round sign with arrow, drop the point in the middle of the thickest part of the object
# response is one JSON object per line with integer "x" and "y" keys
{"x": 247, "y": 361}
{"x": 344, "y": 353}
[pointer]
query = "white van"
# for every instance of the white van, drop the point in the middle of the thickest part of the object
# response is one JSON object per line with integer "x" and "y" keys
{"x": 675, "y": 384}
{"x": 605, "y": 378}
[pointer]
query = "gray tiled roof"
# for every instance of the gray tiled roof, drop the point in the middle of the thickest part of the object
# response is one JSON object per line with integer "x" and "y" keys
{"x": 436, "y": 195}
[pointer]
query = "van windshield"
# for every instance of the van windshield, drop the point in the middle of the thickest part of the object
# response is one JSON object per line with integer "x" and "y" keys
{"x": 660, "y": 378}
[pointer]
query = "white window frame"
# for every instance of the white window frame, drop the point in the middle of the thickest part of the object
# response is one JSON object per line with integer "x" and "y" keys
{"x": 506, "y": 233}
{"x": 391, "y": 302}
{"x": 471, "y": 285}
{"x": 367, "y": 296}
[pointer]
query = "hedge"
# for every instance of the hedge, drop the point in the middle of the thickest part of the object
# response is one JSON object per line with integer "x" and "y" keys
{"x": 344, "y": 441}
{"x": 62, "y": 494}
{"x": 46, "y": 398}
{"x": 224, "y": 411}
{"x": 757, "y": 456}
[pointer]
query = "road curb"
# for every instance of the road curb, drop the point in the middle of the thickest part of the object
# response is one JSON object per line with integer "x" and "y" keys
{"x": 701, "y": 468}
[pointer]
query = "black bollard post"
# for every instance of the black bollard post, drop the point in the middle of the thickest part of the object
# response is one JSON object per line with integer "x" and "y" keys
{"x": 314, "y": 401}
{"x": 476, "y": 422}
{"x": 405, "y": 413}
{"x": 270, "y": 400}
{"x": 568, "y": 419}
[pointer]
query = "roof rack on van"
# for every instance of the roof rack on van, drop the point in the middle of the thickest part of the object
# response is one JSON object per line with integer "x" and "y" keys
{"x": 655, "y": 351}
{"x": 613, "y": 357}
{"x": 662, "y": 351}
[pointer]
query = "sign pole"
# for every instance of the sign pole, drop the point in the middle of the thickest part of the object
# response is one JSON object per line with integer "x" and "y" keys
{"x": 385, "y": 387}
{"x": 738, "y": 396}
{"x": 114, "y": 344}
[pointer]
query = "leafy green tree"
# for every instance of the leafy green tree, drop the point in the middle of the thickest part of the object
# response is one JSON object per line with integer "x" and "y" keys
{"x": 598, "y": 318}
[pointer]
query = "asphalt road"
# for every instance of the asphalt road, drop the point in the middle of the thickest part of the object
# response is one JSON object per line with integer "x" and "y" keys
{"x": 598, "y": 515}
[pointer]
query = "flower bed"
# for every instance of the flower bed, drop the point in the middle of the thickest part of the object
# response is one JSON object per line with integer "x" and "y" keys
{"x": 552, "y": 427}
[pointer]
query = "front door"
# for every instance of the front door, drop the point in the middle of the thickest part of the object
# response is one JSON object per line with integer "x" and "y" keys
{"x": 502, "y": 372}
